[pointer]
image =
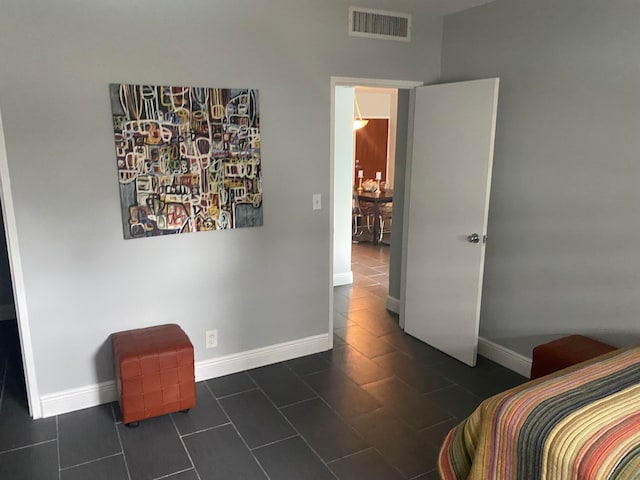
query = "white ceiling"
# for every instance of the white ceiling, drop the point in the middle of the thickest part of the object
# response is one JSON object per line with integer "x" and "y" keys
{"x": 445, "y": 7}
{"x": 427, "y": 7}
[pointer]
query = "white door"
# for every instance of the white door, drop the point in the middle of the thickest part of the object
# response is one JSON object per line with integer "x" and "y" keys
{"x": 449, "y": 184}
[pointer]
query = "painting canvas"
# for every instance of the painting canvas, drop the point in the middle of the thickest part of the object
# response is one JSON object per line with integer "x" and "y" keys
{"x": 188, "y": 159}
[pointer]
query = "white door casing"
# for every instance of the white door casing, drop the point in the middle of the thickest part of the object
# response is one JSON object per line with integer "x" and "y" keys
{"x": 448, "y": 200}
{"x": 15, "y": 265}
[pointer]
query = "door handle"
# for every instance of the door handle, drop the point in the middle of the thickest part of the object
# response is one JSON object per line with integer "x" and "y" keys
{"x": 473, "y": 238}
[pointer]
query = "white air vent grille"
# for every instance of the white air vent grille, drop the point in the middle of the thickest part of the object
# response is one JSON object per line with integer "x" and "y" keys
{"x": 365, "y": 22}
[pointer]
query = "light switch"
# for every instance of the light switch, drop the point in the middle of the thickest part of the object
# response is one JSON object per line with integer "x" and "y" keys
{"x": 317, "y": 201}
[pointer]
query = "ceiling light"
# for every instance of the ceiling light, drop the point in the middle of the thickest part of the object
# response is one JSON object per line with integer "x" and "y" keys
{"x": 358, "y": 122}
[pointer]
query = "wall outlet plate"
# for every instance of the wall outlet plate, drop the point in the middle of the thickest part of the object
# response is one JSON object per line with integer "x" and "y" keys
{"x": 211, "y": 338}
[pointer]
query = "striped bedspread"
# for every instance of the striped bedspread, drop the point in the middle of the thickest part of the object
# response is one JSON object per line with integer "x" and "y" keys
{"x": 577, "y": 424}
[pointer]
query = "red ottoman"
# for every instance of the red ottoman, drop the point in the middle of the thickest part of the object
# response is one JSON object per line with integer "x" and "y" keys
{"x": 154, "y": 371}
{"x": 565, "y": 352}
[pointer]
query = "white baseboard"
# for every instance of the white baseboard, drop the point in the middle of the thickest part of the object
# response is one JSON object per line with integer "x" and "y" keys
{"x": 78, "y": 398}
{"x": 393, "y": 305}
{"x": 345, "y": 278}
{"x": 7, "y": 312}
{"x": 505, "y": 357}
{"x": 91, "y": 395}
{"x": 238, "y": 362}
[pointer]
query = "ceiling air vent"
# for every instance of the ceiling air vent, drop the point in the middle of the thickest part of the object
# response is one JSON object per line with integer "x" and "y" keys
{"x": 365, "y": 22}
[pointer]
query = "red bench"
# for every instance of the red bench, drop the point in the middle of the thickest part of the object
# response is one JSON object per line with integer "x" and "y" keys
{"x": 565, "y": 352}
{"x": 154, "y": 372}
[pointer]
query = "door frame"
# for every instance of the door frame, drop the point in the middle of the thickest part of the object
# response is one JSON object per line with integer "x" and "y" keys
{"x": 336, "y": 81}
{"x": 17, "y": 278}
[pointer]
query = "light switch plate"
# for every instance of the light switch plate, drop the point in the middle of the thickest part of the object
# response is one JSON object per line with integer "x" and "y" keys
{"x": 317, "y": 201}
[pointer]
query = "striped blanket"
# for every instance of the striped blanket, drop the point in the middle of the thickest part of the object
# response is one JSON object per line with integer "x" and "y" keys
{"x": 580, "y": 423}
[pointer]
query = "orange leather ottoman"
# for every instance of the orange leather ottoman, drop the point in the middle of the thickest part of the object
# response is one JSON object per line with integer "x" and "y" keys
{"x": 154, "y": 371}
{"x": 565, "y": 352}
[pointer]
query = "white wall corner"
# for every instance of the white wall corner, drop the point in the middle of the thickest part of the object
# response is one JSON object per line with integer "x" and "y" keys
{"x": 393, "y": 305}
{"x": 91, "y": 395}
{"x": 345, "y": 278}
{"x": 507, "y": 358}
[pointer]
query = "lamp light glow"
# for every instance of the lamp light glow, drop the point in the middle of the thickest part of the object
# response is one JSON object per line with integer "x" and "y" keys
{"x": 358, "y": 123}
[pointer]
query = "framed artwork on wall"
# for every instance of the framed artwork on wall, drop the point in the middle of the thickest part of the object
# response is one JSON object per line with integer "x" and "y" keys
{"x": 188, "y": 158}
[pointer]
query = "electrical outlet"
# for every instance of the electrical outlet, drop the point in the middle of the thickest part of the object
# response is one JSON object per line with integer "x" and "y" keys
{"x": 211, "y": 338}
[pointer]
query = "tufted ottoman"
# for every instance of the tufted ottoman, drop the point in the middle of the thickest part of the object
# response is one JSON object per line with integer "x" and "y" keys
{"x": 154, "y": 372}
{"x": 565, "y": 352}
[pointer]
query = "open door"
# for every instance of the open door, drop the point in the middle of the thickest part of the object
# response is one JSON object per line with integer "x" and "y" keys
{"x": 445, "y": 228}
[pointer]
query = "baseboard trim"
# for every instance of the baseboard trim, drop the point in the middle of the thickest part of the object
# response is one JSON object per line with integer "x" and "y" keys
{"x": 78, "y": 398}
{"x": 216, "y": 367}
{"x": 393, "y": 305}
{"x": 345, "y": 278}
{"x": 91, "y": 395}
{"x": 505, "y": 357}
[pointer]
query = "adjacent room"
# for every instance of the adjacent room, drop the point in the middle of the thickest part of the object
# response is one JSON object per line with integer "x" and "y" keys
{"x": 181, "y": 164}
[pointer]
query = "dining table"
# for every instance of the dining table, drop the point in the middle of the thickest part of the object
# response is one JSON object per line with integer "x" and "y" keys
{"x": 377, "y": 199}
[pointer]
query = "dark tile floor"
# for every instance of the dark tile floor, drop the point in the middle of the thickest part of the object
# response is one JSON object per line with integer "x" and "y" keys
{"x": 376, "y": 407}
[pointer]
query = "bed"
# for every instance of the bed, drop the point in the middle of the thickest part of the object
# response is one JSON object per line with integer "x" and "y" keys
{"x": 579, "y": 423}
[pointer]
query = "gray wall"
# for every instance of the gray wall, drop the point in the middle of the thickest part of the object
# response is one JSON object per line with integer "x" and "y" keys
{"x": 257, "y": 286}
{"x": 395, "y": 250}
{"x": 564, "y": 223}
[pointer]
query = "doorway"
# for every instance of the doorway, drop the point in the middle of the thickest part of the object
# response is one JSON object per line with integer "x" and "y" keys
{"x": 374, "y": 164}
{"x": 456, "y": 122}
{"x": 343, "y": 176}
{"x": 374, "y": 151}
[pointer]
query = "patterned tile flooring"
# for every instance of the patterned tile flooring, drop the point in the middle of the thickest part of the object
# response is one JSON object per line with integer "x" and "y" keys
{"x": 376, "y": 407}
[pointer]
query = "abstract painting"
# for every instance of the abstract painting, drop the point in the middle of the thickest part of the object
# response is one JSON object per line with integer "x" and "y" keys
{"x": 188, "y": 159}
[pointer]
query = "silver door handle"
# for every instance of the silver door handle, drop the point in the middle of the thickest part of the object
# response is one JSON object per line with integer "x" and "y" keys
{"x": 473, "y": 238}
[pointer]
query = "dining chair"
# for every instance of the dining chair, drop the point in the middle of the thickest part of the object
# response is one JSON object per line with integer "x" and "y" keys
{"x": 356, "y": 219}
{"x": 361, "y": 221}
{"x": 385, "y": 219}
